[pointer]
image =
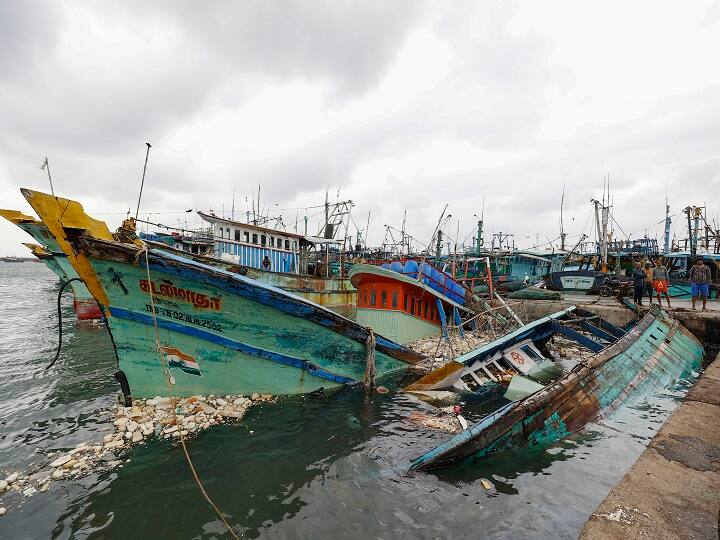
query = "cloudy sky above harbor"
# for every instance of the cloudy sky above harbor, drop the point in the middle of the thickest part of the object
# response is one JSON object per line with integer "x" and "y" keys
{"x": 398, "y": 105}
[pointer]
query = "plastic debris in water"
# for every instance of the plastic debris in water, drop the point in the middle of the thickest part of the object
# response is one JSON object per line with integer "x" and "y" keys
{"x": 487, "y": 484}
{"x": 381, "y": 390}
{"x": 462, "y": 421}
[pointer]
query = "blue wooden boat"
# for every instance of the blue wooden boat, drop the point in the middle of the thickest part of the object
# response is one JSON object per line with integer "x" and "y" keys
{"x": 205, "y": 330}
{"x": 628, "y": 363}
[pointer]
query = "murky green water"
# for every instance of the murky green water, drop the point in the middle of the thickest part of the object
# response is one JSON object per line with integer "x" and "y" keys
{"x": 300, "y": 468}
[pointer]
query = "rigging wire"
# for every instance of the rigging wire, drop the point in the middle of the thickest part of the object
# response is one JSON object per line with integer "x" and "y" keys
{"x": 168, "y": 379}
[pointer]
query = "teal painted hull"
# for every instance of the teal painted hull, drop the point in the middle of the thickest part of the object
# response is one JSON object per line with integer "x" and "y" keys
{"x": 39, "y": 232}
{"x": 226, "y": 334}
{"x": 52, "y": 264}
{"x": 658, "y": 352}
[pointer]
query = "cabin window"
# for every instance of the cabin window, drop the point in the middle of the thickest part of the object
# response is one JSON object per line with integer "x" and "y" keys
{"x": 425, "y": 311}
{"x": 227, "y": 231}
{"x": 247, "y": 237}
{"x": 394, "y": 299}
{"x": 287, "y": 245}
{"x": 405, "y": 302}
{"x": 263, "y": 239}
{"x": 237, "y": 235}
{"x": 220, "y": 232}
{"x": 294, "y": 245}
{"x": 365, "y": 297}
{"x": 417, "y": 307}
{"x": 272, "y": 241}
{"x": 373, "y": 297}
{"x": 383, "y": 298}
{"x": 254, "y": 238}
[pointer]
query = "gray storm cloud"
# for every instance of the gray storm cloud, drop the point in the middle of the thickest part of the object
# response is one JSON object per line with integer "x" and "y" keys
{"x": 87, "y": 84}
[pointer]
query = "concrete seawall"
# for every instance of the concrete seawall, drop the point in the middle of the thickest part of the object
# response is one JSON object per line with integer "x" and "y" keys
{"x": 673, "y": 490}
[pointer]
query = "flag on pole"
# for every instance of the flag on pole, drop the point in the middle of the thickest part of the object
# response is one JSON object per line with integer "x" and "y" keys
{"x": 44, "y": 164}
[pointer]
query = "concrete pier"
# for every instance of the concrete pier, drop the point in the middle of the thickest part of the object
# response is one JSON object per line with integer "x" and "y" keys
{"x": 673, "y": 490}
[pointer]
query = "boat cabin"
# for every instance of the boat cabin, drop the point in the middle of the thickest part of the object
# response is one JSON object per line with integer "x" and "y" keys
{"x": 254, "y": 246}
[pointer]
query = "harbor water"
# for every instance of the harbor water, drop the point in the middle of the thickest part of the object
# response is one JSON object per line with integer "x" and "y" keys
{"x": 330, "y": 466}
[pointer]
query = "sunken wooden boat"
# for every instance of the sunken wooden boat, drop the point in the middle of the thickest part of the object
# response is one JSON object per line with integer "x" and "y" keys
{"x": 85, "y": 306}
{"x": 204, "y": 329}
{"x": 627, "y": 364}
{"x": 407, "y": 301}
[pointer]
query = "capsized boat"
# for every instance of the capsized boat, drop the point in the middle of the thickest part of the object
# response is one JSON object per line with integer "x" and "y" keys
{"x": 542, "y": 407}
{"x": 204, "y": 329}
{"x": 406, "y": 301}
{"x": 85, "y": 306}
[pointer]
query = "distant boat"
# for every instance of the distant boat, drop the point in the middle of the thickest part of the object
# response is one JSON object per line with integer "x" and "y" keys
{"x": 542, "y": 403}
{"x": 12, "y": 259}
{"x": 217, "y": 332}
{"x": 406, "y": 301}
{"x": 85, "y": 306}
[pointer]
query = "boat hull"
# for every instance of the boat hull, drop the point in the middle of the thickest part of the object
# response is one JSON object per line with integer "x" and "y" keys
{"x": 657, "y": 352}
{"x": 85, "y": 306}
{"x": 586, "y": 281}
{"x": 239, "y": 334}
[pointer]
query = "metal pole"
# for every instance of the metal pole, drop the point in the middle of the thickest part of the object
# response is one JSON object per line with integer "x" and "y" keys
{"x": 46, "y": 166}
{"x": 142, "y": 182}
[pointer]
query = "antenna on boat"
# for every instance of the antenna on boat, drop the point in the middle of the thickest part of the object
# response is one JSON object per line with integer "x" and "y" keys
{"x": 367, "y": 227}
{"x": 562, "y": 230}
{"x": 46, "y": 167}
{"x": 142, "y": 182}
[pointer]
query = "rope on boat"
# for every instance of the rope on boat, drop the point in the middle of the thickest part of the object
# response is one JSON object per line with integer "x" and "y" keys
{"x": 369, "y": 381}
{"x": 169, "y": 381}
{"x": 59, "y": 347}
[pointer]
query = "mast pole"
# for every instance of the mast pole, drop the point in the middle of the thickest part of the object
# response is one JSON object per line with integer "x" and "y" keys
{"x": 142, "y": 182}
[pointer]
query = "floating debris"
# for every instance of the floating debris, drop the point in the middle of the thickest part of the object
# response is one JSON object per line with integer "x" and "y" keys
{"x": 443, "y": 422}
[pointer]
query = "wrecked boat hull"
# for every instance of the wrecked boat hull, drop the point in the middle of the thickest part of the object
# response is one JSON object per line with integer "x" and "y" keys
{"x": 651, "y": 356}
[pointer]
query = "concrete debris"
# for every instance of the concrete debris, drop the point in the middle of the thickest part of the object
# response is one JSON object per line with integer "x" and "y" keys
{"x": 12, "y": 477}
{"x": 447, "y": 350}
{"x": 159, "y": 417}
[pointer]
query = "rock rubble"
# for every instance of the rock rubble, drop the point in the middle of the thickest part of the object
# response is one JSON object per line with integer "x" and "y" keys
{"x": 159, "y": 417}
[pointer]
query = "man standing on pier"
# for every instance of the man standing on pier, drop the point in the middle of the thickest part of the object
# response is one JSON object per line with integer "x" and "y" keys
{"x": 661, "y": 282}
{"x": 648, "y": 280}
{"x": 638, "y": 277}
{"x": 700, "y": 282}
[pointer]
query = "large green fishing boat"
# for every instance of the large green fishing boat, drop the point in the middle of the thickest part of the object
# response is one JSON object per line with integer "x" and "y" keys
{"x": 181, "y": 327}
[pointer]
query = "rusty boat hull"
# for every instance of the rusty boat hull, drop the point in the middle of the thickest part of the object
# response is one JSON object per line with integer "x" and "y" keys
{"x": 650, "y": 356}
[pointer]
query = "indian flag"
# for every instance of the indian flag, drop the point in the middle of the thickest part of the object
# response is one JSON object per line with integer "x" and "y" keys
{"x": 177, "y": 358}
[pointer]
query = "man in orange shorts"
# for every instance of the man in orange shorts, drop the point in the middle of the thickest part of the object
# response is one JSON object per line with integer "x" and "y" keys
{"x": 661, "y": 282}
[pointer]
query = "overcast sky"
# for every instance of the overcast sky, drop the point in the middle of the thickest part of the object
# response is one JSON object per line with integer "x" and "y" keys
{"x": 398, "y": 104}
